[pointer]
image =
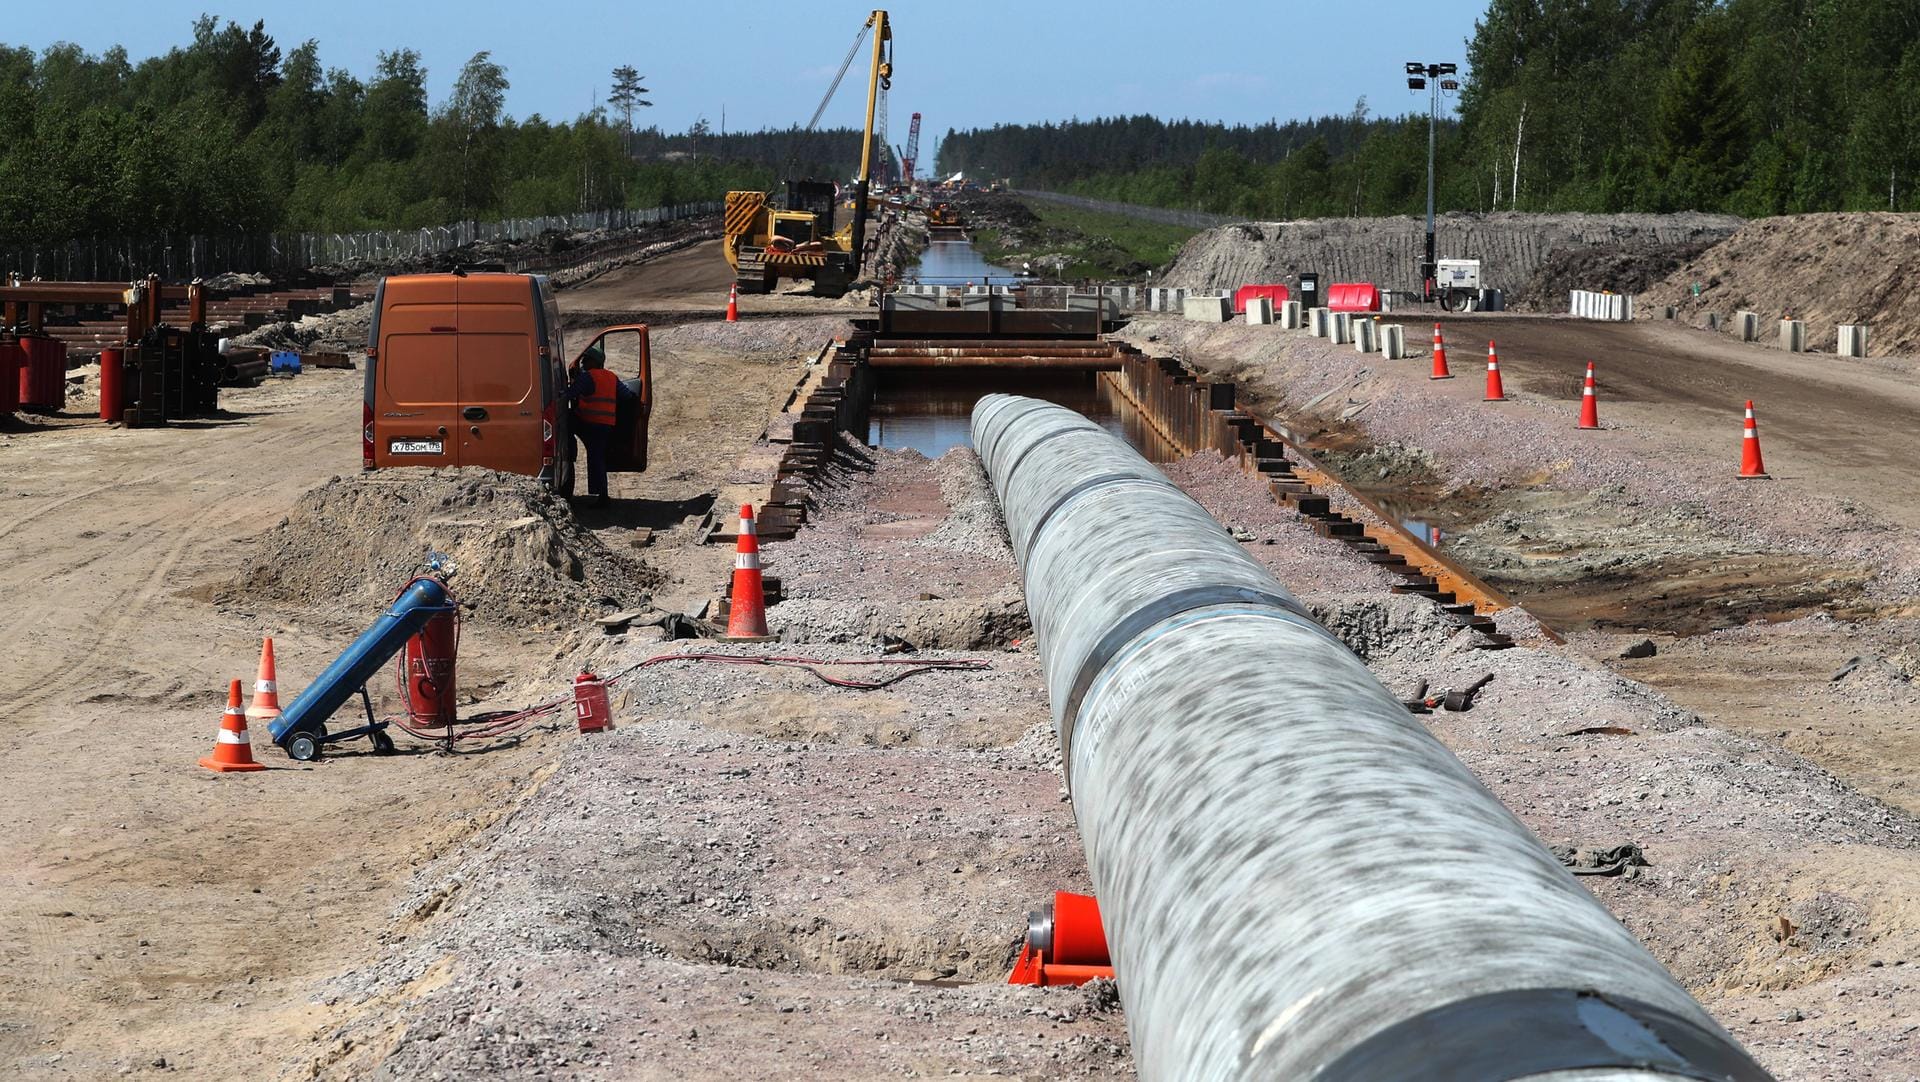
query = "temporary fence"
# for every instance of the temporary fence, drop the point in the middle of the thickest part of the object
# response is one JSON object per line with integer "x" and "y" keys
{"x": 119, "y": 259}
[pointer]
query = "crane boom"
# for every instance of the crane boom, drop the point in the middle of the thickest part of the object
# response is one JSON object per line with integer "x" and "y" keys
{"x": 912, "y": 153}
{"x": 882, "y": 74}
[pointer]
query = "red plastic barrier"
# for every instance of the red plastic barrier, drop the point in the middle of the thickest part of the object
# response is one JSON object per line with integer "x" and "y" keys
{"x": 11, "y": 358}
{"x": 1353, "y": 297}
{"x": 1278, "y": 294}
{"x": 112, "y": 365}
{"x": 43, "y": 378}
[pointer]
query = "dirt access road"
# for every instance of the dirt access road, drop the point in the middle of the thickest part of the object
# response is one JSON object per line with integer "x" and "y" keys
{"x": 1850, "y": 426}
{"x": 153, "y": 912}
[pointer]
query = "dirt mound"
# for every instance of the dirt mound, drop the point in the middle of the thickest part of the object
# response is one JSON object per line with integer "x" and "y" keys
{"x": 1387, "y": 251}
{"x": 1827, "y": 269}
{"x": 344, "y": 331}
{"x": 521, "y": 559}
{"x": 1626, "y": 268}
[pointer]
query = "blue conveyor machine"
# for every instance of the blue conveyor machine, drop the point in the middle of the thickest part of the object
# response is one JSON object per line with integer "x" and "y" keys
{"x": 301, "y": 728}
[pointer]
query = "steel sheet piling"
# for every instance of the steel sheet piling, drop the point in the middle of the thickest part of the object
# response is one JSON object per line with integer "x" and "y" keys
{"x": 1296, "y": 879}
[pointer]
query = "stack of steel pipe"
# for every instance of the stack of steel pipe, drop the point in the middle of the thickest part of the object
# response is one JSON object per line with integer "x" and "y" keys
{"x": 1296, "y": 879}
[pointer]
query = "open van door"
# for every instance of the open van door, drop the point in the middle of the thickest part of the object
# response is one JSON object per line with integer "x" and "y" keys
{"x": 628, "y": 357}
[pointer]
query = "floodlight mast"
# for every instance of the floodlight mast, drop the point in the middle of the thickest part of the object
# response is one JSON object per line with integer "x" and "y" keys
{"x": 1427, "y": 77}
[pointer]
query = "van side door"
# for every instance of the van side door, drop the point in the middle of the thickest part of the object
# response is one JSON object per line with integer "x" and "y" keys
{"x": 629, "y": 357}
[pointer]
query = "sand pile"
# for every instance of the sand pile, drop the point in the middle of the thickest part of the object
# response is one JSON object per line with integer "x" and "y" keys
{"x": 1387, "y": 251}
{"x": 1824, "y": 268}
{"x": 520, "y": 558}
{"x": 344, "y": 331}
{"x": 1633, "y": 267}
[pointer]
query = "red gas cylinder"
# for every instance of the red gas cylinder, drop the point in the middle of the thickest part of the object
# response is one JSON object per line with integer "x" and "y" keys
{"x": 11, "y": 359}
{"x": 112, "y": 405}
{"x": 429, "y": 660}
{"x": 43, "y": 377}
{"x": 590, "y": 707}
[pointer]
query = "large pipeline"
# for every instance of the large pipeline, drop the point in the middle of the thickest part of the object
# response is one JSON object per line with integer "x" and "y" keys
{"x": 1297, "y": 881}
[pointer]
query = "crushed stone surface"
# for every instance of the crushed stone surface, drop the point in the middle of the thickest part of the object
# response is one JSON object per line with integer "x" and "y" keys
{"x": 747, "y": 875}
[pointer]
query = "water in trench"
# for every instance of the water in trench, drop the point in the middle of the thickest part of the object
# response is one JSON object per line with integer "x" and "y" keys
{"x": 955, "y": 263}
{"x": 930, "y": 410}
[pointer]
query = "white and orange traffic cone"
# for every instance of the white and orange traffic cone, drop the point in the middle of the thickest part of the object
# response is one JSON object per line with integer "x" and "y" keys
{"x": 1589, "y": 405}
{"x": 266, "y": 689}
{"x": 1750, "y": 464}
{"x": 231, "y": 749}
{"x": 747, "y": 610}
{"x": 1439, "y": 356}
{"x": 1495, "y": 392}
{"x": 733, "y": 303}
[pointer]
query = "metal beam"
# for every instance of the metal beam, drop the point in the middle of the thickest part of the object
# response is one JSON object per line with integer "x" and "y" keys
{"x": 1296, "y": 879}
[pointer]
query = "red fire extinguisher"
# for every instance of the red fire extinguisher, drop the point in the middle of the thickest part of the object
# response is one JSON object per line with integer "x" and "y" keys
{"x": 590, "y": 707}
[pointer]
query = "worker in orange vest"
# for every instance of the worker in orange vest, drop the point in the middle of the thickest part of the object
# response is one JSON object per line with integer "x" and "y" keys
{"x": 596, "y": 395}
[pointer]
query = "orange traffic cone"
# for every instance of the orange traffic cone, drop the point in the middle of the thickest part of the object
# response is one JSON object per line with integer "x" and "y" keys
{"x": 1750, "y": 464}
{"x": 1495, "y": 392}
{"x": 747, "y": 614}
{"x": 1439, "y": 356}
{"x": 1589, "y": 405}
{"x": 733, "y": 303}
{"x": 266, "y": 689}
{"x": 231, "y": 748}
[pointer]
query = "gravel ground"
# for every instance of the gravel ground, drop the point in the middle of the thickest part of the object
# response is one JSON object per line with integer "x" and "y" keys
{"x": 1663, "y": 502}
{"x": 748, "y": 876}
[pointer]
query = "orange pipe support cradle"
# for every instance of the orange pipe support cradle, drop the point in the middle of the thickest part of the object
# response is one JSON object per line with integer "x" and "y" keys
{"x": 1065, "y": 944}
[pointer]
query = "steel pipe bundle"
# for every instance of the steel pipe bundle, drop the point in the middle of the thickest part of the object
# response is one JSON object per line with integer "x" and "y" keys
{"x": 1297, "y": 880}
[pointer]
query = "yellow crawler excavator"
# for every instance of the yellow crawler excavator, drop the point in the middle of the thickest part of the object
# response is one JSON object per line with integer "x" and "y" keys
{"x": 765, "y": 243}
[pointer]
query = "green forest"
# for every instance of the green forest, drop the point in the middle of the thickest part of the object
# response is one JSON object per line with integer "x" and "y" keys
{"x": 231, "y": 133}
{"x": 1752, "y": 107}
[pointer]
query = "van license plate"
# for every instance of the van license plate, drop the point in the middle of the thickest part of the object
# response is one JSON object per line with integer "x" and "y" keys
{"x": 416, "y": 447}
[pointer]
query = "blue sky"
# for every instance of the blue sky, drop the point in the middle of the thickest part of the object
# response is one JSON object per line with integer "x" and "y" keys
{"x": 767, "y": 64}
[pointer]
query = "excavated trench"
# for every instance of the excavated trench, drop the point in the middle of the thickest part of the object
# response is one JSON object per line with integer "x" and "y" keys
{"x": 913, "y": 384}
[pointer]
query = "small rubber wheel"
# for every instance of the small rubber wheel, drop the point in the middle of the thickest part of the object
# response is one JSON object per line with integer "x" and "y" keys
{"x": 303, "y": 748}
{"x": 382, "y": 743}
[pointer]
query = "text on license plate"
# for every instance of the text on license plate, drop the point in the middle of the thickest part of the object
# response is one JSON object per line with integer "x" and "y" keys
{"x": 415, "y": 447}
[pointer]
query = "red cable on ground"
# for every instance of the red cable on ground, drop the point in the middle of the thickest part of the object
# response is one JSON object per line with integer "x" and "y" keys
{"x": 495, "y": 726}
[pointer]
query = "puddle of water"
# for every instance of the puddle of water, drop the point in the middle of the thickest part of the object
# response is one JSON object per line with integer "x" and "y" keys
{"x": 1412, "y": 518}
{"x": 931, "y": 410}
{"x": 955, "y": 263}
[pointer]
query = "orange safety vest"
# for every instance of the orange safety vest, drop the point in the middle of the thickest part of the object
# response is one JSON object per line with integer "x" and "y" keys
{"x": 598, "y": 408}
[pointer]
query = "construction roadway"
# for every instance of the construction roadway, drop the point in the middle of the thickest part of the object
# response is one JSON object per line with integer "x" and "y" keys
{"x": 1847, "y": 426}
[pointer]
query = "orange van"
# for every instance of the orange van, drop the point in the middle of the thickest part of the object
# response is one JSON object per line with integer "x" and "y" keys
{"x": 471, "y": 370}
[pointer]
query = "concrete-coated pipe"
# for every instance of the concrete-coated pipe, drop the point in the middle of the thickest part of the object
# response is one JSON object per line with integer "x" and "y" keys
{"x": 1296, "y": 879}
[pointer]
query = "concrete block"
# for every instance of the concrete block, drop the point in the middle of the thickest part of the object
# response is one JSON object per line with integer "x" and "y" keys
{"x": 1669, "y": 312}
{"x": 1713, "y": 321}
{"x": 1746, "y": 325}
{"x": 1259, "y": 311}
{"x": 1793, "y": 335}
{"x": 1626, "y": 307}
{"x": 1393, "y": 341}
{"x": 1853, "y": 340}
{"x": 1363, "y": 334}
{"x": 1290, "y": 315}
{"x": 1318, "y": 322}
{"x": 1207, "y": 309}
{"x": 1340, "y": 328}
